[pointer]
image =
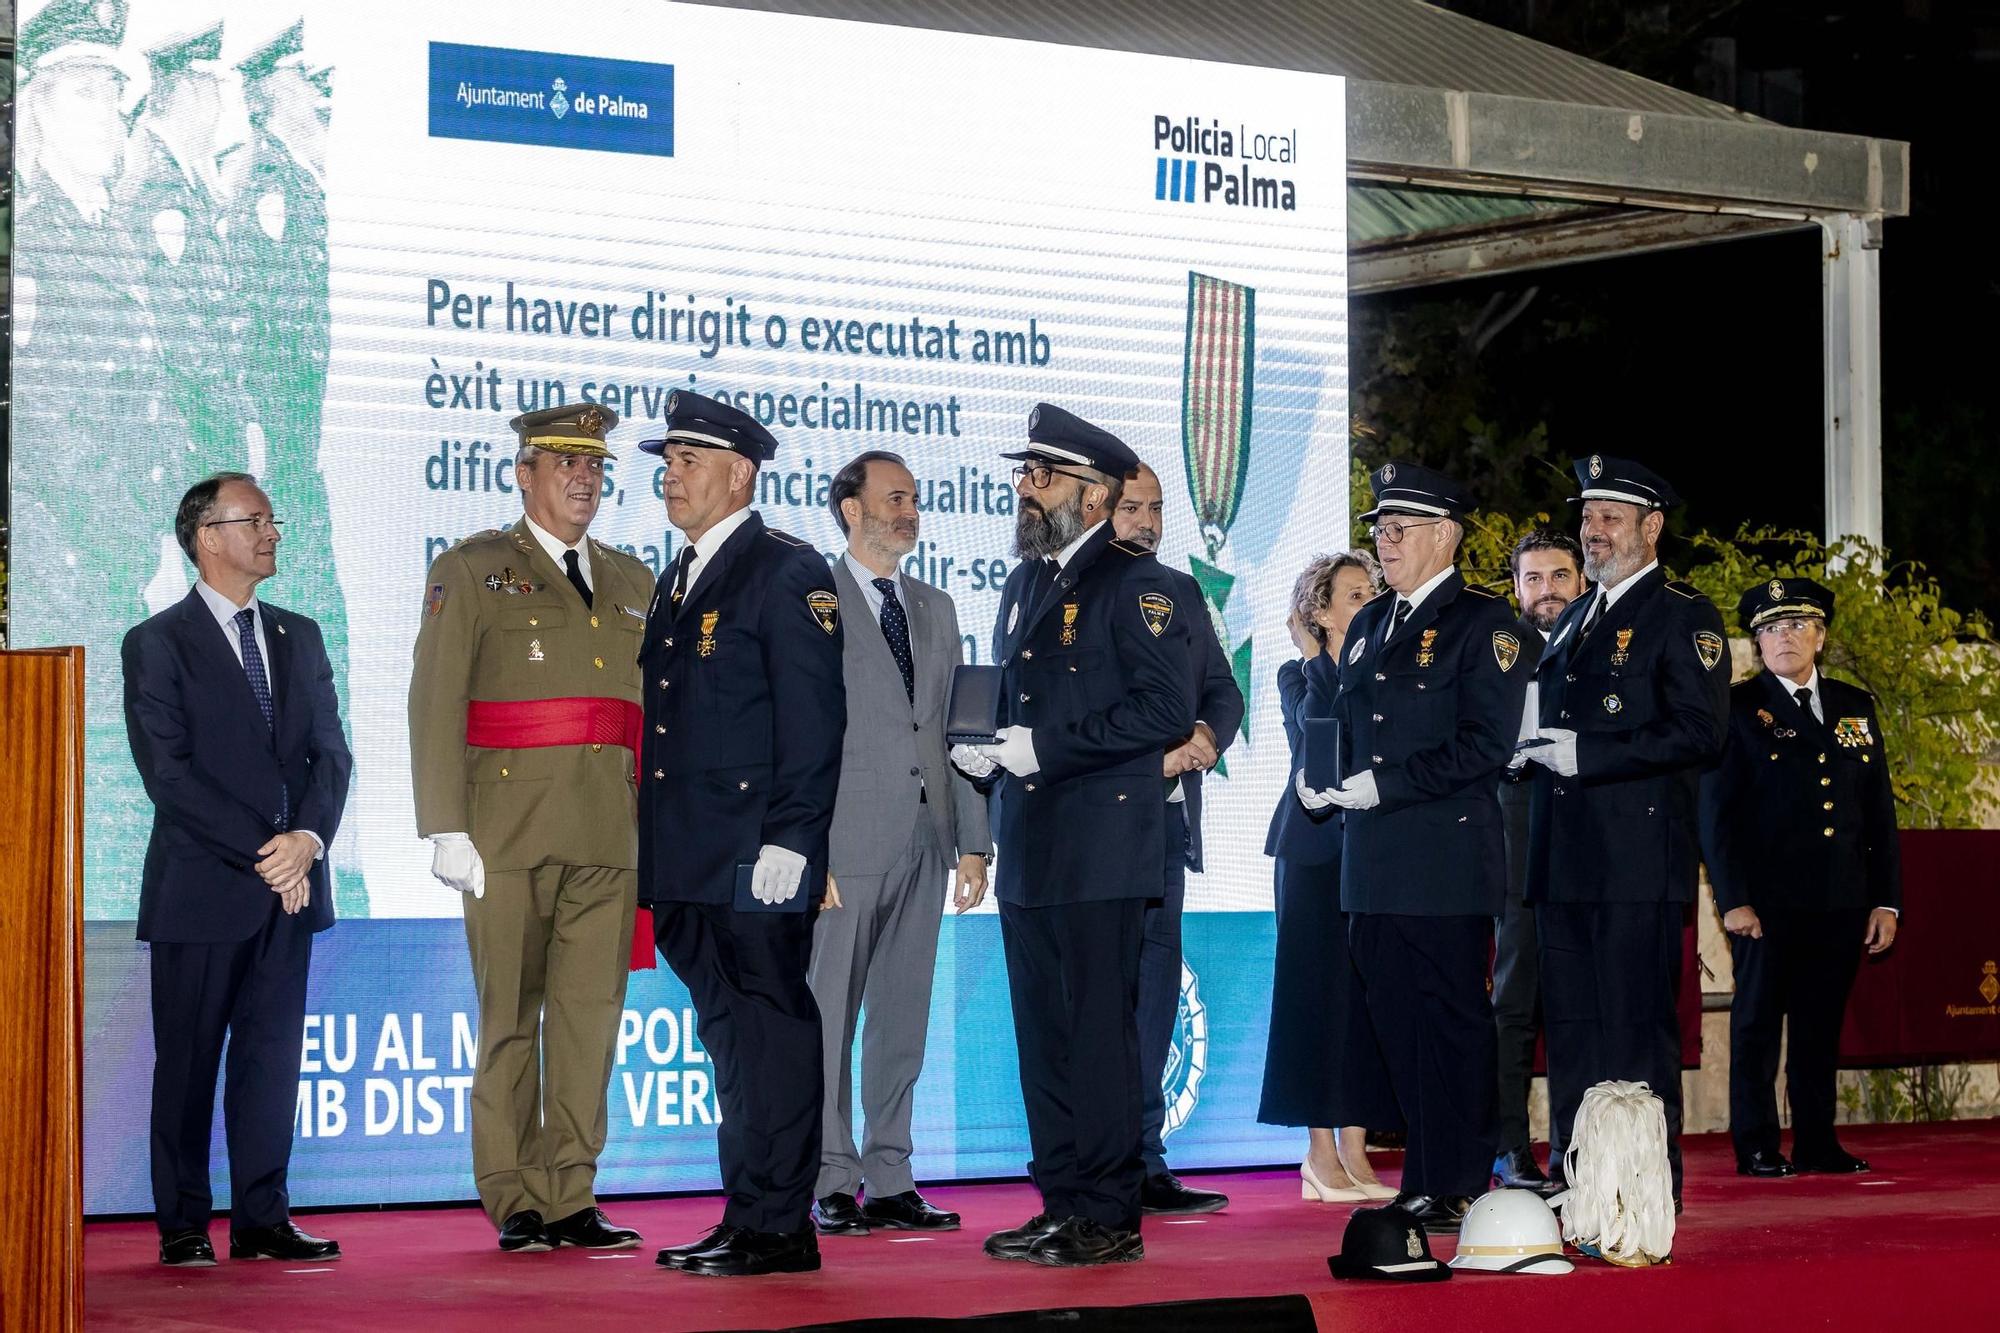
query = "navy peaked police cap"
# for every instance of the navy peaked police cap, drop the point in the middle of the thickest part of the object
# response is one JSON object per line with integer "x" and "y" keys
{"x": 1603, "y": 477}
{"x": 1056, "y": 436}
{"x": 1784, "y": 599}
{"x": 707, "y": 423}
{"x": 1408, "y": 488}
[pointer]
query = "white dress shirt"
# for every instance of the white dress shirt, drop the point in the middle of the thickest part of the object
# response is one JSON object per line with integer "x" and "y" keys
{"x": 711, "y": 542}
{"x": 225, "y": 613}
{"x": 553, "y": 545}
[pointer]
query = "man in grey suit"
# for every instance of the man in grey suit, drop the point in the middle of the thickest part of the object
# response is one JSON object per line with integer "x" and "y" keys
{"x": 903, "y": 814}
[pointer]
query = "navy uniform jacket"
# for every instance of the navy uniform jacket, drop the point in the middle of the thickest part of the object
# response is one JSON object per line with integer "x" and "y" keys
{"x": 1649, "y": 718}
{"x": 1301, "y": 836}
{"x": 1434, "y": 713}
{"x": 1799, "y": 813}
{"x": 219, "y": 778}
{"x": 1218, "y": 700}
{"x": 745, "y": 711}
{"x": 1100, "y": 671}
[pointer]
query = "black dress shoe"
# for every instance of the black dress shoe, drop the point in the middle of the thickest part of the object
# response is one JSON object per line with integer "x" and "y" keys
{"x": 1014, "y": 1242}
{"x": 754, "y": 1253}
{"x": 1517, "y": 1169}
{"x": 908, "y": 1211}
{"x": 1765, "y": 1165}
{"x": 675, "y": 1255}
{"x": 590, "y": 1229}
{"x": 838, "y": 1215}
{"x": 1440, "y": 1214}
{"x": 525, "y": 1233}
{"x": 1830, "y": 1161}
{"x": 187, "y": 1249}
{"x": 1081, "y": 1243}
{"x": 283, "y": 1241}
{"x": 1167, "y": 1194}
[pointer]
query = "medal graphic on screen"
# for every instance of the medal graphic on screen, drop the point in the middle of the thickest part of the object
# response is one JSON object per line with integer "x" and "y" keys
{"x": 1218, "y": 378}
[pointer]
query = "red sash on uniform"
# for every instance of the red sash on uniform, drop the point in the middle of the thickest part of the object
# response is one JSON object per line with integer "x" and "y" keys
{"x": 529, "y": 724}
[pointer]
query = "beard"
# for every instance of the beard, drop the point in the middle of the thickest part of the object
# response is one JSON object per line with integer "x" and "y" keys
{"x": 1041, "y": 532}
{"x": 1615, "y": 565}
{"x": 1146, "y": 537}
{"x": 893, "y": 537}
{"x": 1544, "y": 614}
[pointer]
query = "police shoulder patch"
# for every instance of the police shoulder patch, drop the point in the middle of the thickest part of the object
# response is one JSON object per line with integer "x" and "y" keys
{"x": 434, "y": 601}
{"x": 1709, "y": 647}
{"x": 1157, "y": 610}
{"x": 825, "y": 608}
{"x": 1506, "y": 649}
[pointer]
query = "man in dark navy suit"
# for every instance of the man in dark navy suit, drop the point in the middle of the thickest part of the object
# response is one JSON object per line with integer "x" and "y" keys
{"x": 1633, "y": 691}
{"x": 745, "y": 708}
{"x": 1798, "y": 823}
{"x": 1138, "y": 519}
{"x": 1093, "y": 642}
{"x": 1428, "y": 689}
{"x": 230, "y": 707}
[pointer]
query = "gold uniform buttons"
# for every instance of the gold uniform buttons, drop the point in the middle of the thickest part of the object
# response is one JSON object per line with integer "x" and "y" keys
{"x": 1826, "y": 782}
{"x": 1826, "y": 832}
{"x": 1121, "y": 795}
{"x": 534, "y": 620}
{"x": 659, "y": 773}
{"x": 1774, "y": 754}
{"x": 598, "y": 662}
{"x": 593, "y": 622}
{"x": 1827, "y": 805}
{"x": 597, "y": 749}
{"x": 503, "y": 772}
{"x": 1822, "y": 758}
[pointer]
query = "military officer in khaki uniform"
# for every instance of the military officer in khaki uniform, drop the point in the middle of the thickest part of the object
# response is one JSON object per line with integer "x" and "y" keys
{"x": 524, "y": 719}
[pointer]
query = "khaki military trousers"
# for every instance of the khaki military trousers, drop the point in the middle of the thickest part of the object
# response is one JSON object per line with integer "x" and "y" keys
{"x": 550, "y": 950}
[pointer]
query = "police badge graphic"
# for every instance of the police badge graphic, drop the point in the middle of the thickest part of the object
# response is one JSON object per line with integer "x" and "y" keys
{"x": 560, "y": 102}
{"x": 1187, "y": 1057}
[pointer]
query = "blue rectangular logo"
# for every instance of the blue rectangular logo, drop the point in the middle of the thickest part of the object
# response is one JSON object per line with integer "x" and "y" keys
{"x": 559, "y": 101}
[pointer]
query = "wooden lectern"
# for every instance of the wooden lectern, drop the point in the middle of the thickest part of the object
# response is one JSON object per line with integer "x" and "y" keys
{"x": 41, "y": 988}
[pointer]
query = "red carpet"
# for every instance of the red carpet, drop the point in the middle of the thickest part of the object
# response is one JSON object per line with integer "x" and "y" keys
{"x": 1917, "y": 1241}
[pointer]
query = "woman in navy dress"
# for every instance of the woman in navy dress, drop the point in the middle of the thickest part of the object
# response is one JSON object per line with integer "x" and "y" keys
{"x": 1322, "y": 1067}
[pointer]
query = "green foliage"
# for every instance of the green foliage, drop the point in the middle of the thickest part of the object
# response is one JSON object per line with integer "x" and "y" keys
{"x": 1931, "y": 1092}
{"x": 1931, "y": 669}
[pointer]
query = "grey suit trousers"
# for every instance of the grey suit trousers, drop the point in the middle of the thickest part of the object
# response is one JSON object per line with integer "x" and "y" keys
{"x": 882, "y": 940}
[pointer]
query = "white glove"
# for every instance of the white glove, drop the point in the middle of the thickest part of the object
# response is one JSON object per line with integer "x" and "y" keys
{"x": 1559, "y": 754}
{"x": 1310, "y": 799}
{"x": 971, "y": 761}
{"x": 455, "y": 862}
{"x": 1015, "y": 752}
{"x": 776, "y": 878}
{"x": 1357, "y": 793}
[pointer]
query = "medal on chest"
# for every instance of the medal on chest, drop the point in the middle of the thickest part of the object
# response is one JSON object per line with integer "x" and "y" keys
{"x": 1852, "y": 732}
{"x": 1424, "y": 654}
{"x": 1069, "y": 624}
{"x": 705, "y": 645}
{"x": 535, "y": 653}
{"x": 1622, "y": 654}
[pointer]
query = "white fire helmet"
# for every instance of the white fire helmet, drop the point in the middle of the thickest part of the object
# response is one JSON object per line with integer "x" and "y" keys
{"x": 1510, "y": 1231}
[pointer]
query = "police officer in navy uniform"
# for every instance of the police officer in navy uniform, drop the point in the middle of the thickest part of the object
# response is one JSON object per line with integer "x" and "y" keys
{"x": 1094, "y": 648}
{"x": 744, "y": 714}
{"x": 1428, "y": 687}
{"x": 1633, "y": 691}
{"x": 1798, "y": 826}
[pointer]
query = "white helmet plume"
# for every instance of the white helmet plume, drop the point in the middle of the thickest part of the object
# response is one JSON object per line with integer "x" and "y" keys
{"x": 1620, "y": 1204}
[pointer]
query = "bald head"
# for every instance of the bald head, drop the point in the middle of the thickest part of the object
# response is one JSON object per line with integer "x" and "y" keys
{"x": 1137, "y": 519}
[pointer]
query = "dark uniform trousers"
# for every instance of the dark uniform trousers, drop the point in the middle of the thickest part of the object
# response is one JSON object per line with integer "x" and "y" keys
{"x": 1073, "y": 975}
{"x": 1802, "y": 971}
{"x": 1424, "y": 978}
{"x": 746, "y": 973}
{"x": 255, "y": 990}
{"x": 1611, "y": 978}
{"x": 1160, "y": 989}
{"x": 1517, "y": 981}
{"x": 539, "y": 1089}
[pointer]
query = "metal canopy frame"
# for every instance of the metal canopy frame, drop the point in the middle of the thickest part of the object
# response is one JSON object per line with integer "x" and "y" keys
{"x": 1440, "y": 102}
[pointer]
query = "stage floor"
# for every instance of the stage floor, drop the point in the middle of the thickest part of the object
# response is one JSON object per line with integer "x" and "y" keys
{"x": 1917, "y": 1240}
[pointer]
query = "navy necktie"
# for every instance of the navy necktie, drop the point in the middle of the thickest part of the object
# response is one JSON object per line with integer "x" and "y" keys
{"x": 1590, "y": 621}
{"x": 681, "y": 567}
{"x": 1804, "y": 696}
{"x": 575, "y": 572}
{"x": 896, "y": 629}
{"x": 1397, "y": 616}
{"x": 260, "y": 685}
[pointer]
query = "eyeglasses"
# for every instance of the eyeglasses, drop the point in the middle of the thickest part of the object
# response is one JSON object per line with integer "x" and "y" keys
{"x": 1786, "y": 628}
{"x": 1038, "y": 474}
{"x": 259, "y": 524}
{"x": 1391, "y": 534}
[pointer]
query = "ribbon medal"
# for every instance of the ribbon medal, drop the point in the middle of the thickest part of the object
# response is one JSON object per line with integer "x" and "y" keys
{"x": 1622, "y": 655}
{"x": 1424, "y": 654}
{"x": 706, "y": 643}
{"x": 1852, "y": 732}
{"x": 1069, "y": 624}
